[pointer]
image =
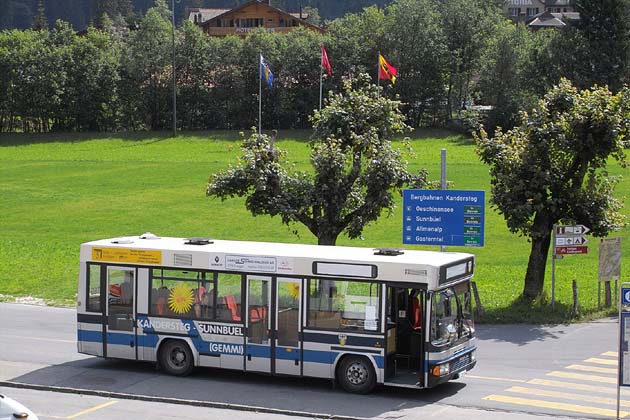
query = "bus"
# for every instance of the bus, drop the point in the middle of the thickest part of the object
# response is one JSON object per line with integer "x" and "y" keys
{"x": 357, "y": 316}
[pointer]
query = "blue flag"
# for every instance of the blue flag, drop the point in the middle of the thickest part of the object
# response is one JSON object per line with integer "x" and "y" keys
{"x": 265, "y": 72}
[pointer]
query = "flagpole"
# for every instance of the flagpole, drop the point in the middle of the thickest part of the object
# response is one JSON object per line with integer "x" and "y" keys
{"x": 321, "y": 79}
{"x": 378, "y": 73}
{"x": 260, "y": 96}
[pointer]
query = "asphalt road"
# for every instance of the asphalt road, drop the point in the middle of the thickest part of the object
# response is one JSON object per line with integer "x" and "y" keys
{"x": 523, "y": 372}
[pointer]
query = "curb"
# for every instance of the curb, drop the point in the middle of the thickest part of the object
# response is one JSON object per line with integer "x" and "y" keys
{"x": 169, "y": 400}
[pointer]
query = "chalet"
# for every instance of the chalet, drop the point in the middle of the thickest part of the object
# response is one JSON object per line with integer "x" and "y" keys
{"x": 247, "y": 17}
{"x": 527, "y": 10}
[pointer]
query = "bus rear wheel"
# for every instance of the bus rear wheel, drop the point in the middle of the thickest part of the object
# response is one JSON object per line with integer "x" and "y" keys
{"x": 176, "y": 358}
{"x": 356, "y": 375}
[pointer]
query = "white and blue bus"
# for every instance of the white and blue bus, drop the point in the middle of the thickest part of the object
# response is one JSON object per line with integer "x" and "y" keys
{"x": 358, "y": 316}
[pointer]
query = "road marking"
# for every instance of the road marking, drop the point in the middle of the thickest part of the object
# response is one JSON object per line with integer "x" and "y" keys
{"x": 602, "y": 361}
{"x": 592, "y": 378}
{"x": 556, "y": 405}
{"x": 89, "y": 410}
{"x": 579, "y": 387}
{"x": 592, "y": 369}
{"x": 492, "y": 378}
{"x": 567, "y": 396}
{"x": 20, "y": 337}
{"x": 611, "y": 354}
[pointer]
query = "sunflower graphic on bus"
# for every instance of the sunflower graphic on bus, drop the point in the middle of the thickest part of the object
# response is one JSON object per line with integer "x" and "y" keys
{"x": 180, "y": 299}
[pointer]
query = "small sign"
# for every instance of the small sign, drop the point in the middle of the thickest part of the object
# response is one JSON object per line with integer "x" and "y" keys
{"x": 609, "y": 259}
{"x": 625, "y": 295}
{"x": 570, "y": 250}
{"x": 570, "y": 240}
{"x": 571, "y": 230}
{"x": 124, "y": 255}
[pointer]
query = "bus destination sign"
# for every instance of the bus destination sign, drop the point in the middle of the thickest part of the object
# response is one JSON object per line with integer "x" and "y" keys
{"x": 443, "y": 217}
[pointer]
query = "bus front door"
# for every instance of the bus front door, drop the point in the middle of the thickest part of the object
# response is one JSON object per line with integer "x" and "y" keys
{"x": 287, "y": 351}
{"x": 258, "y": 341}
{"x": 120, "y": 337}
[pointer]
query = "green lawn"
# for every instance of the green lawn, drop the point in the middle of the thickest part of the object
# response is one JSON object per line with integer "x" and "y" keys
{"x": 58, "y": 191}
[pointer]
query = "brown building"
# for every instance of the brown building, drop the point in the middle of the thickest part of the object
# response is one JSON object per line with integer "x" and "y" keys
{"x": 246, "y": 18}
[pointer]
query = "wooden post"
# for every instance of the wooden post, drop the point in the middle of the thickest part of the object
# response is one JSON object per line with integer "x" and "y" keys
{"x": 478, "y": 306}
{"x": 607, "y": 296}
{"x": 575, "y": 311}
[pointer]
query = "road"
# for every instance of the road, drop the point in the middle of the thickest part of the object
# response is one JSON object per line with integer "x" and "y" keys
{"x": 523, "y": 372}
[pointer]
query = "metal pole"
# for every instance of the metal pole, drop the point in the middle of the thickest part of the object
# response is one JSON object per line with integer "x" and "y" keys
{"x": 260, "y": 96}
{"x": 443, "y": 180}
{"x": 174, "y": 80}
{"x": 378, "y": 73}
{"x": 619, "y": 355}
{"x": 321, "y": 81}
{"x": 553, "y": 268}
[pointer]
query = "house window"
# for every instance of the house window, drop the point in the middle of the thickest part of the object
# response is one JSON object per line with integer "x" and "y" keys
{"x": 532, "y": 11}
{"x": 514, "y": 11}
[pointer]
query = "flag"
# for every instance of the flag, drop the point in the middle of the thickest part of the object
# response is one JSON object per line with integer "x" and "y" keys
{"x": 385, "y": 70}
{"x": 325, "y": 62}
{"x": 265, "y": 72}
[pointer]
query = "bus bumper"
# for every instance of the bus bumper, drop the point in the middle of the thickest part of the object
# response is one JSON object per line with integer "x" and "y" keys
{"x": 451, "y": 369}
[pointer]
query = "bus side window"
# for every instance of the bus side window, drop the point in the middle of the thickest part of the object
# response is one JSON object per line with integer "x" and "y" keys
{"x": 228, "y": 292}
{"x": 94, "y": 288}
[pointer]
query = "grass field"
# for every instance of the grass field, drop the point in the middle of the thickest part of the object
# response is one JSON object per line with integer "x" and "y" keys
{"x": 58, "y": 191}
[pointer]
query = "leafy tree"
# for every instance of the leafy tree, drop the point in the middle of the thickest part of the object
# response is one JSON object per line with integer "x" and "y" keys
{"x": 146, "y": 76}
{"x": 356, "y": 40}
{"x": 552, "y": 168}
{"x": 468, "y": 26}
{"x": 193, "y": 77}
{"x": 40, "y": 22}
{"x": 420, "y": 53}
{"x": 355, "y": 168}
{"x": 605, "y": 29}
{"x": 504, "y": 80}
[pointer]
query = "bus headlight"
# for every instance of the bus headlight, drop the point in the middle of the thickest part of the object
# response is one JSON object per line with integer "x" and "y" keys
{"x": 441, "y": 370}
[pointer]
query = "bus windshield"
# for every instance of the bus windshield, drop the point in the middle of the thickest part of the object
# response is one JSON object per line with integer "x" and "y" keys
{"x": 451, "y": 315}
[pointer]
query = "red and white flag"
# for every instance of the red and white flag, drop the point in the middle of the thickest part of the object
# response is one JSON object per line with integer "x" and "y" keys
{"x": 325, "y": 62}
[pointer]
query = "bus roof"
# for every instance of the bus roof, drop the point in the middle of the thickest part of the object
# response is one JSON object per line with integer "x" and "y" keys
{"x": 435, "y": 269}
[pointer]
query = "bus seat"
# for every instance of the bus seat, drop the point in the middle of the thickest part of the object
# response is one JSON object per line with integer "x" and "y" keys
{"x": 233, "y": 307}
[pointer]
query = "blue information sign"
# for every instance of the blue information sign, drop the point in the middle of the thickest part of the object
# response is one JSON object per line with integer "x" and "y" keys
{"x": 625, "y": 296}
{"x": 443, "y": 217}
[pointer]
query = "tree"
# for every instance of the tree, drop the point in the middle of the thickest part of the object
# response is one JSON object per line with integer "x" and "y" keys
{"x": 356, "y": 169}
{"x": 552, "y": 168}
{"x": 421, "y": 57}
{"x": 504, "y": 80}
{"x": 146, "y": 75}
{"x": 40, "y": 23}
{"x": 605, "y": 29}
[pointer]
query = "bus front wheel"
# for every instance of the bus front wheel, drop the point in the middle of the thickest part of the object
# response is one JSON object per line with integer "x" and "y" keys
{"x": 176, "y": 358}
{"x": 356, "y": 375}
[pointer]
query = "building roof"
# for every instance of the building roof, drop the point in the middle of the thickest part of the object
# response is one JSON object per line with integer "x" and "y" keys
{"x": 558, "y": 2}
{"x": 548, "y": 19}
{"x": 206, "y": 14}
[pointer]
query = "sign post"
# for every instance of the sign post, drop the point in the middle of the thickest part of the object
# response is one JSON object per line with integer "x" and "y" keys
{"x": 567, "y": 240}
{"x": 623, "y": 374}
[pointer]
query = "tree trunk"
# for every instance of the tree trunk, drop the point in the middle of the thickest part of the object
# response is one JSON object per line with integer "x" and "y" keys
{"x": 325, "y": 238}
{"x": 541, "y": 239}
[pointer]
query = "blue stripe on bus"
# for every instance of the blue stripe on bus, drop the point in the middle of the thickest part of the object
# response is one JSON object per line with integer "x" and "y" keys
{"x": 151, "y": 340}
{"x": 259, "y": 351}
{"x": 287, "y": 353}
{"x": 90, "y": 336}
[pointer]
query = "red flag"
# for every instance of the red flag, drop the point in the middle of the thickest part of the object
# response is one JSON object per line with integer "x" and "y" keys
{"x": 325, "y": 62}
{"x": 385, "y": 70}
